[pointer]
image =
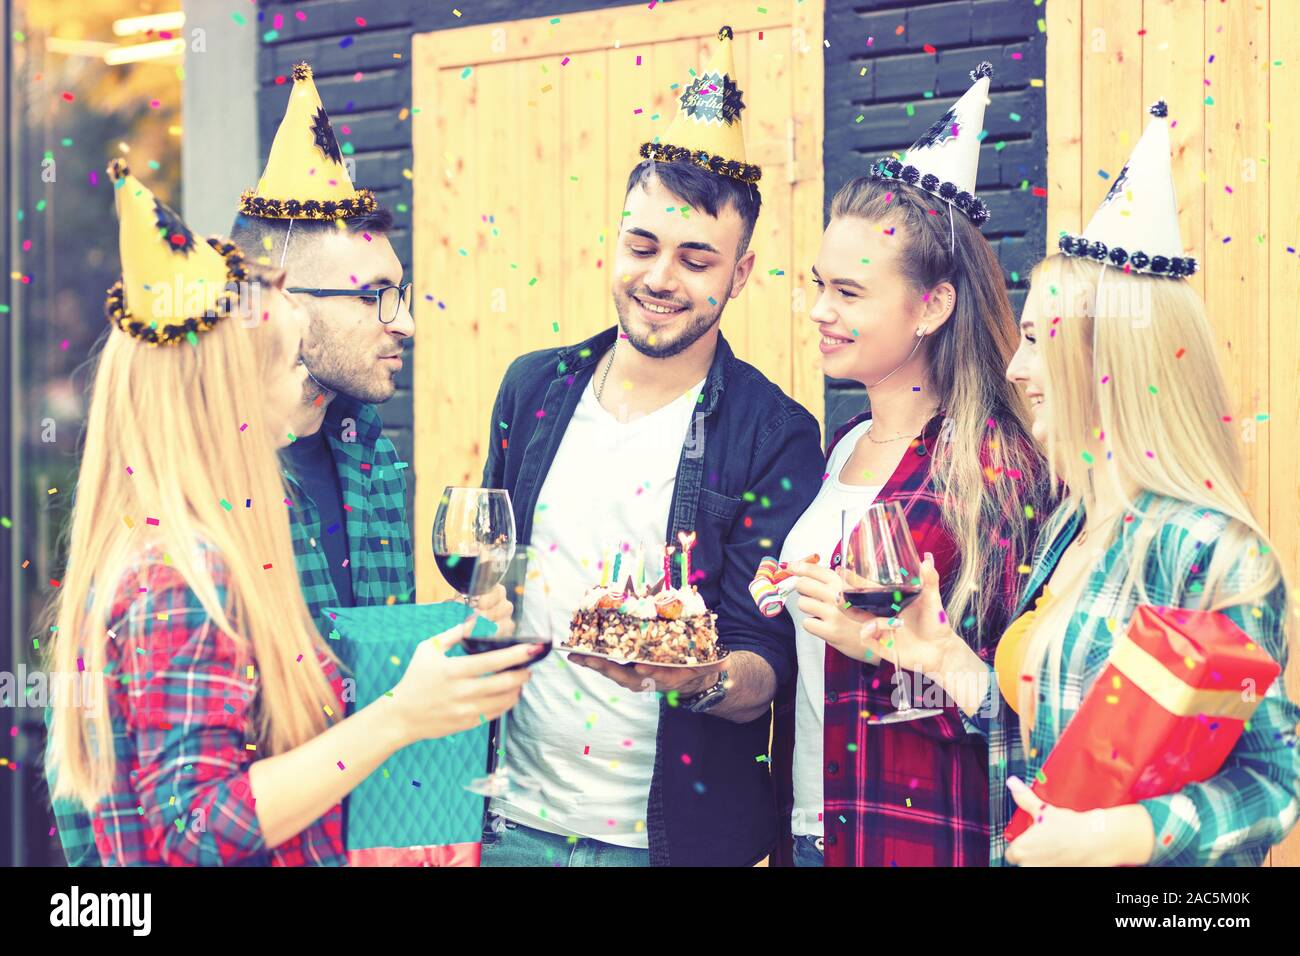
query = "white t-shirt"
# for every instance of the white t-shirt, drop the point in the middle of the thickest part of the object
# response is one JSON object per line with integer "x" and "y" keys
{"x": 817, "y": 532}
{"x": 586, "y": 742}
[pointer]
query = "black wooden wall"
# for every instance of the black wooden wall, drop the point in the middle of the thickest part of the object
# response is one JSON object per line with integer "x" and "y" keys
{"x": 900, "y": 72}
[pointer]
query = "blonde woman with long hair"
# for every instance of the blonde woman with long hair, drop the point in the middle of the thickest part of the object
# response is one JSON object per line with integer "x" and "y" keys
{"x": 912, "y": 304}
{"x": 1118, "y": 361}
{"x": 209, "y": 729}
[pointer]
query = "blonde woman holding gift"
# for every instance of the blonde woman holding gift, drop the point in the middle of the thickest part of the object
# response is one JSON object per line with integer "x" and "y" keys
{"x": 1118, "y": 362}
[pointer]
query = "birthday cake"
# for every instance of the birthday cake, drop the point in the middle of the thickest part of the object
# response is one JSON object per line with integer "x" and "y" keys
{"x": 659, "y": 624}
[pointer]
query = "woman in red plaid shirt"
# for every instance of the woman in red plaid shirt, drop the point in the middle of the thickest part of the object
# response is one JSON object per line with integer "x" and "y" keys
{"x": 207, "y": 724}
{"x": 912, "y": 305}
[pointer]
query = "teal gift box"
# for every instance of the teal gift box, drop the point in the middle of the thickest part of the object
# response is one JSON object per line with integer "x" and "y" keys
{"x": 414, "y": 809}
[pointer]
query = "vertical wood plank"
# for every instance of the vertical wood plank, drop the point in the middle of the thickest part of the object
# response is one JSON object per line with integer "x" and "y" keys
{"x": 1065, "y": 92}
{"x": 737, "y": 317}
{"x": 1173, "y": 70}
{"x": 445, "y": 438}
{"x": 807, "y": 95}
{"x": 502, "y": 314}
{"x": 1236, "y": 271}
{"x": 629, "y": 88}
{"x": 584, "y": 149}
{"x": 1284, "y": 321}
{"x": 765, "y": 76}
{"x": 1113, "y": 112}
{"x": 671, "y": 62}
{"x": 501, "y": 310}
{"x": 538, "y": 183}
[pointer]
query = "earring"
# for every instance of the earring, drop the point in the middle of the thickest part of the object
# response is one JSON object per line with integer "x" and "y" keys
{"x": 920, "y": 333}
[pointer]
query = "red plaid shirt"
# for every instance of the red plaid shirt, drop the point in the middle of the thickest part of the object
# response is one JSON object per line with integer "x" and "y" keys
{"x": 181, "y": 700}
{"x": 906, "y": 794}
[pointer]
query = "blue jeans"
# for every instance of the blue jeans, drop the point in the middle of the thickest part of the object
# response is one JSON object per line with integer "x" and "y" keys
{"x": 806, "y": 852}
{"x": 512, "y": 844}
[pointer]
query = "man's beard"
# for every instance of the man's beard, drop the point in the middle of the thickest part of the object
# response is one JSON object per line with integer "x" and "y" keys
{"x": 329, "y": 371}
{"x": 692, "y": 330}
{"x": 351, "y": 382}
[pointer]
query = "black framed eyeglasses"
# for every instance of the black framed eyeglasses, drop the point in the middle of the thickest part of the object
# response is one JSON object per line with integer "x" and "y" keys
{"x": 388, "y": 299}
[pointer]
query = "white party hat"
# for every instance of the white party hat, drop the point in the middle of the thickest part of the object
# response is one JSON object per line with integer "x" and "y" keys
{"x": 945, "y": 161}
{"x": 1136, "y": 225}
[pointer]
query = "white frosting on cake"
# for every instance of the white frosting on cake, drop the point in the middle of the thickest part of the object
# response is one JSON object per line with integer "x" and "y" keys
{"x": 692, "y": 603}
{"x": 592, "y": 597}
{"x": 643, "y": 608}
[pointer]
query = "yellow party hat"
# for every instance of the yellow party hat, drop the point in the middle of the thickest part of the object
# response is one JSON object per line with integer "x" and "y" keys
{"x": 172, "y": 286}
{"x": 305, "y": 177}
{"x": 707, "y": 129}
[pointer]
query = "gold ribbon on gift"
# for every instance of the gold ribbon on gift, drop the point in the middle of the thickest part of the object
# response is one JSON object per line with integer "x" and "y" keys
{"x": 1174, "y": 695}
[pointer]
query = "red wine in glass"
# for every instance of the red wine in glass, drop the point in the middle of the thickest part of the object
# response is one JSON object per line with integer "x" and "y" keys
{"x": 884, "y": 601}
{"x": 457, "y": 569}
{"x": 470, "y": 522}
{"x": 481, "y": 645}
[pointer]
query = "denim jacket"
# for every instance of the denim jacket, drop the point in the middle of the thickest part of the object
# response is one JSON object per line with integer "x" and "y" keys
{"x": 751, "y": 464}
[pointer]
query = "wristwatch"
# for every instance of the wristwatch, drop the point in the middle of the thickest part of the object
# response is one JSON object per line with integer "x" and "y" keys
{"x": 708, "y": 698}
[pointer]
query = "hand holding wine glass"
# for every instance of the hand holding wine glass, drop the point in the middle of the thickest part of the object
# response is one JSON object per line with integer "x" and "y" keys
{"x": 917, "y": 637}
{"x": 440, "y": 695}
{"x": 920, "y": 638}
{"x": 496, "y": 606}
{"x": 821, "y": 597}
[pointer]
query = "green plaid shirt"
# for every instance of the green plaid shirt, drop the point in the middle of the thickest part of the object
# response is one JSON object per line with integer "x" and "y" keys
{"x": 1233, "y": 818}
{"x": 374, "y": 501}
{"x": 379, "y": 553}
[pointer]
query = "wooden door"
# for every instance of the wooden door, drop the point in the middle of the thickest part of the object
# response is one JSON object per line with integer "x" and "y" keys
{"x": 524, "y": 135}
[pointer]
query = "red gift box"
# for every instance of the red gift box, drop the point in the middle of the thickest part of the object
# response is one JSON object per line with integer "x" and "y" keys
{"x": 456, "y": 854}
{"x": 1167, "y": 709}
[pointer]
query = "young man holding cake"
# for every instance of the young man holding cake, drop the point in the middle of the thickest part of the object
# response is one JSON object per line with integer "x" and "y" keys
{"x": 652, "y": 470}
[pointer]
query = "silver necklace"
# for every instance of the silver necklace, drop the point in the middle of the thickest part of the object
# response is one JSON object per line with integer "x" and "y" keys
{"x": 890, "y": 440}
{"x": 601, "y": 387}
{"x": 887, "y": 440}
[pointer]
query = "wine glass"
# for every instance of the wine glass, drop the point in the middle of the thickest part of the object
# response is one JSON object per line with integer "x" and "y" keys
{"x": 881, "y": 573}
{"x": 521, "y": 573}
{"x": 468, "y": 523}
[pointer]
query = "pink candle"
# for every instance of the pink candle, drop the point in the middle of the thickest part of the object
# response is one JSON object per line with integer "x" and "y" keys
{"x": 668, "y": 566}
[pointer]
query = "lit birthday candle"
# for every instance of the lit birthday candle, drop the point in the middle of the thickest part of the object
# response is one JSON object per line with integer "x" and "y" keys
{"x": 688, "y": 542}
{"x": 618, "y": 562}
{"x": 640, "y": 567}
{"x": 668, "y": 566}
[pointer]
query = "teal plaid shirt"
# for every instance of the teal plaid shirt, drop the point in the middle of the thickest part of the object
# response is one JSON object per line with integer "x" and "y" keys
{"x": 374, "y": 501}
{"x": 379, "y": 553}
{"x": 1233, "y": 818}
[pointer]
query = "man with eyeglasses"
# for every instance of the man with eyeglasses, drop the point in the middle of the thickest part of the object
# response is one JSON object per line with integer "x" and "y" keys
{"x": 358, "y": 320}
{"x": 331, "y": 240}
